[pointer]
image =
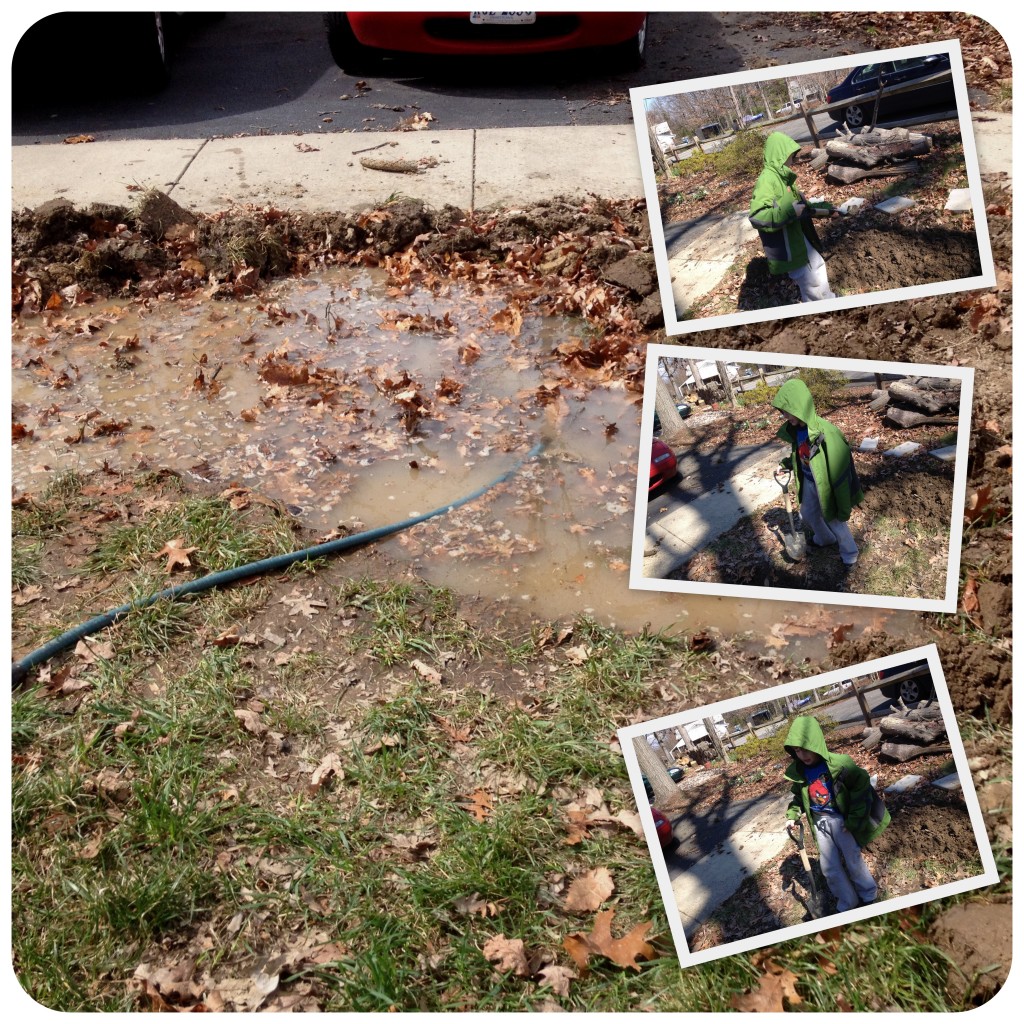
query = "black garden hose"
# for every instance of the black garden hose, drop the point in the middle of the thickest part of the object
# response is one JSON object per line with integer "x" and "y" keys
{"x": 20, "y": 669}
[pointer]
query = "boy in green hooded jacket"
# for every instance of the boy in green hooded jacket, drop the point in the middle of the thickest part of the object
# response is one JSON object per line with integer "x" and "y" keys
{"x": 782, "y": 217}
{"x": 837, "y": 797}
{"x": 827, "y": 483}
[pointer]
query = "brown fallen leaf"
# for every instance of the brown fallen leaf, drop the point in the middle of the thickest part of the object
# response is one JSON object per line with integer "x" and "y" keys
{"x": 775, "y": 989}
{"x": 590, "y": 890}
{"x": 557, "y": 978}
{"x": 176, "y": 554}
{"x": 428, "y": 674}
{"x": 971, "y": 604}
{"x": 328, "y": 768}
{"x": 454, "y": 732}
{"x": 838, "y": 634}
{"x": 577, "y": 827}
{"x": 624, "y": 951}
{"x": 26, "y": 595}
{"x": 250, "y": 721}
{"x": 480, "y": 805}
{"x": 507, "y": 955}
{"x": 474, "y": 906}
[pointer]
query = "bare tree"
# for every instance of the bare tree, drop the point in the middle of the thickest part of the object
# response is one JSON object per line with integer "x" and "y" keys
{"x": 723, "y": 376}
{"x": 665, "y": 406}
{"x": 666, "y": 794}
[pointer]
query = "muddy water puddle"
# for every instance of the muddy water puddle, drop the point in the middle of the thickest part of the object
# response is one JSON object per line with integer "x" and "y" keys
{"x": 358, "y": 405}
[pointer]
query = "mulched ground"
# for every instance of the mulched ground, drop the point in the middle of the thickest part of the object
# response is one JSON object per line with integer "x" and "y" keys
{"x": 929, "y": 843}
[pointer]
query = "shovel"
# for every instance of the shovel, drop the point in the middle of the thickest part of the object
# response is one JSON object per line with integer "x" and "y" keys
{"x": 814, "y": 903}
{"x": 796, "y": 543}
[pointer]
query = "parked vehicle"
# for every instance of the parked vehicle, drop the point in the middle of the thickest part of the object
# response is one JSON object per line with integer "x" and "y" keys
{"x": 866, "y": 79}
{"x": 664, "y": 828}
{"x": 130, "y": 48}
{"x": 914, "y": 682}
{"x": 675, "y": 773}
{"x": 361, "y": 42}
{"x": 684, "y": 410}
{"x": 663, "y": 465}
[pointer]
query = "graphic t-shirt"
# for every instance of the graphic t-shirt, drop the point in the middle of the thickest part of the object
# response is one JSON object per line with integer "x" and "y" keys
{"x": 803, "y": 450}
{"x": 819, "y": 788}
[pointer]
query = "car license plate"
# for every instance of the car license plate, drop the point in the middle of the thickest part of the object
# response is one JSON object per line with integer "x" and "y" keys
{"x": 662, "y": 458}
{"x": 503, "y": 17}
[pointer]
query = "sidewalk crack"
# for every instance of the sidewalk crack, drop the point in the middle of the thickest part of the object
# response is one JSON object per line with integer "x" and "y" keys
{"x": 188, "y": 164}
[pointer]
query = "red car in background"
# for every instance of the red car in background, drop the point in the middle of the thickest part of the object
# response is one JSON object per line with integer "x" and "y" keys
{"x": 663, "y": 465}
{"x": 360, "y": 41}
{"x": 664, "y": 828}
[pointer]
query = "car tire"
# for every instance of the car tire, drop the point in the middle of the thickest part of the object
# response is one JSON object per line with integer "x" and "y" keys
{"x": 145, "y": 37}
{"x": 854, "y": 116}
{"x": 349, "y": 54}
{"x": 630, "y": 55}
{"x": 913, "y": 690}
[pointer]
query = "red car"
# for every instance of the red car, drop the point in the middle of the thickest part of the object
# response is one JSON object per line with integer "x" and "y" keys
{"x": 664, "y": 827}
{"x": 358, "y": 42}
{"x": 663, "y": 464}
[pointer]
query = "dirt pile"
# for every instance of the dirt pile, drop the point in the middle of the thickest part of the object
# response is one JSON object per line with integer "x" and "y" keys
{"x": 590, "y": 259}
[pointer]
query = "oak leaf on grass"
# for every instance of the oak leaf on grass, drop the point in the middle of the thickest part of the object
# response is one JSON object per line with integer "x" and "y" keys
{"x": 624, "y": 951}
{"x": 176, "y": 554}
{"x": 590, "y": 890}
{"x": 507, "y": 955}
{"x": 775, "y": 990}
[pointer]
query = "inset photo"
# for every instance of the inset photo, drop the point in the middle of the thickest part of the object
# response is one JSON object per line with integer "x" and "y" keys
{"x": 801, "y": 479}
{"x": 814, "y": 186}
{"x": 809, "y": 805}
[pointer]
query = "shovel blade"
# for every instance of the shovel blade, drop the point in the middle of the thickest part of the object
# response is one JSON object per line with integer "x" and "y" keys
{"x": 796, "y": 547}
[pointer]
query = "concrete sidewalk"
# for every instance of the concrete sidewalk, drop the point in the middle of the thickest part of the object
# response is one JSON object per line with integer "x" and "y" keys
{"x": 704, "y": 886}
{"x": 674, "y": 537}
{"x": 468, "y": 169}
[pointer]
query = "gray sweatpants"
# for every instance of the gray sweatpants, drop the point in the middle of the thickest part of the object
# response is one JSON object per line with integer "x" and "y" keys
{"x": 841, "y": 863}
{"x": 812, "y": 278}
{"x": 831, "y": 531}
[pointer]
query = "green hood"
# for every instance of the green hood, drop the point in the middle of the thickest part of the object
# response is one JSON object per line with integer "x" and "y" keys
{"x": 795, "y": 397}
{"x": 806, "y": 732}
{"x": 778, "y": 148}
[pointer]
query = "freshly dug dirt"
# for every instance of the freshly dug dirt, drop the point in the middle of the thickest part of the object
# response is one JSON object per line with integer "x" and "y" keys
{"x": 877, "y": 257}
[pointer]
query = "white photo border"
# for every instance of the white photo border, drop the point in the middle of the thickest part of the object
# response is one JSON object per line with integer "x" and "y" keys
{"x": 947, "y": 603}
{"x": 989, "y": 875}
{"x": 674, "y": 326}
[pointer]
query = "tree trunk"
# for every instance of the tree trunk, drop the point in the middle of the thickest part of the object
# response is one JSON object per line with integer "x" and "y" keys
{"x": 838, "y": 174}
{"x": 666, "y": 794}
{"x": 861, "y": 151}
{"x": 926, "y": 393}
{"x": 665, "y": 406}
{"x": 709, "y": 724}
{"x": 657, "y": 152}
{"x": 723, "y": 376}
{"x": 872, "y": 737}
{"x": 908, "y": 418}
{"x": 902, "y": 752}
{"x": 917, "y": 732}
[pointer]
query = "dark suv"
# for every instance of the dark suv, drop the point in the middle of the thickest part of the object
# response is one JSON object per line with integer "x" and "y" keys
{"x": 911, "y": 682}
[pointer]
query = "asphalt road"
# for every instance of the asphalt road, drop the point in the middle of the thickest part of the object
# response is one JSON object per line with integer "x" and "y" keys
{"x": 253, "y": 73}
